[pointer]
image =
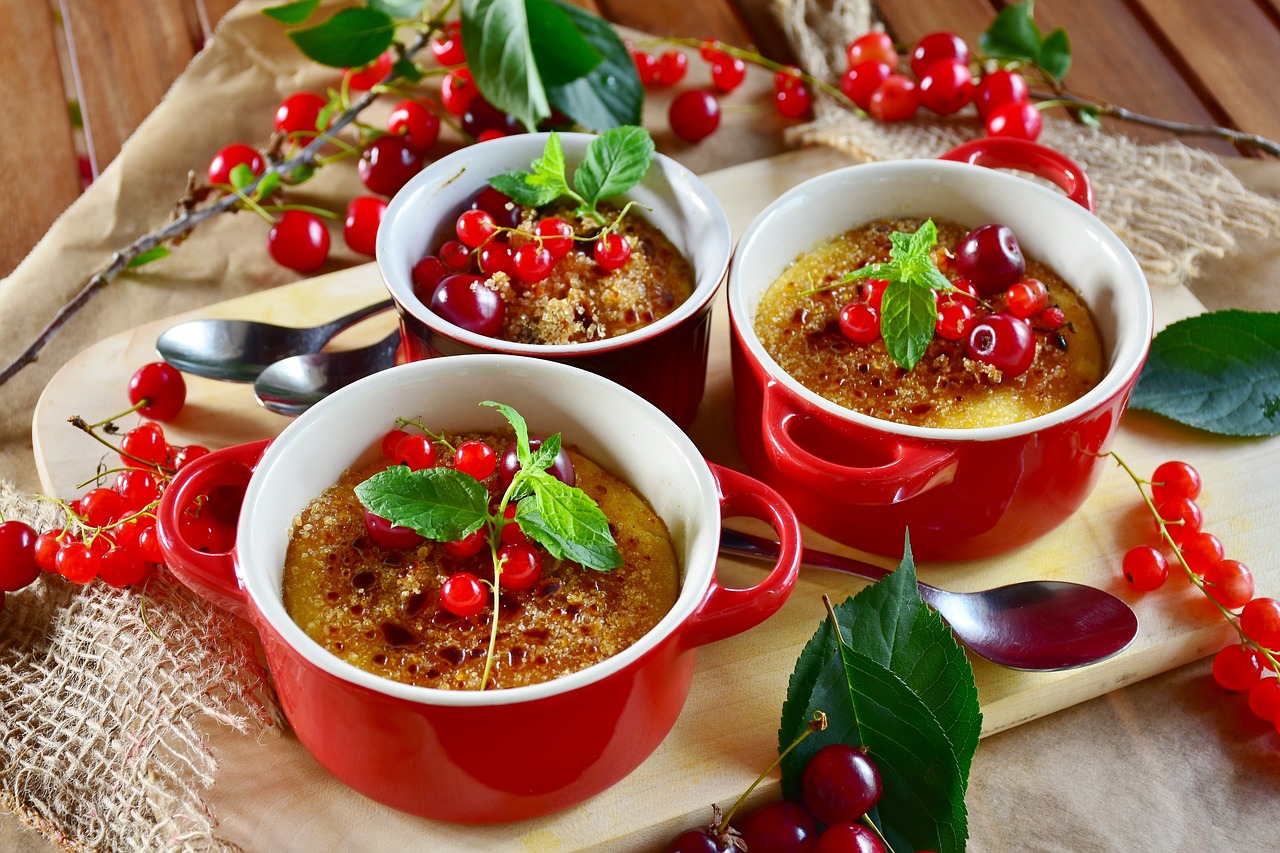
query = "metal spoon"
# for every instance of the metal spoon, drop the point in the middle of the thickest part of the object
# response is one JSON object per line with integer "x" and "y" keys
{"x": 1040, "y": 626}
{"x": 293, "y": 385}
{"x": 238, "y": 350}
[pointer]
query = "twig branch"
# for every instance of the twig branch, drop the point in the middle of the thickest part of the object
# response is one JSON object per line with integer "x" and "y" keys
{"x": 189, "y": 219}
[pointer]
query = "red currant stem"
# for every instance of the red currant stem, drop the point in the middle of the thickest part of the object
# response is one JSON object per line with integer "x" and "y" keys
{"x": 189, "y": 217}
{"x": 436, "y": 439}
{"x": 80, "y": 424}
{"x": 818, "y": 723}
{"x": 613, "y": 226}
{"x": 142, "y": 610}
{"x": 1195, "y": 580}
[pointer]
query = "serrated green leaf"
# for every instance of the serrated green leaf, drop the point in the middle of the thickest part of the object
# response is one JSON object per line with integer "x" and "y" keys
{"x": 1055, "y": 54}
{"x": 519, "y": 426}
{"x": 546, "y": 183}
{"x": 495, "y": 37}
{"x": 612, "y": 94}
{"x": 1012, "y": 35}
{"x": 292, "y": 13}
{"x": 546, "y": 453}
{"x": 155, "y": 253}
{"x": 1218, "y": 372}
{"x": 568, "y": 523}
{"x": 352, "y": 38}
{"x": 550, "y": 169}
{"x": 404, "y": 9}
{"x": 241, "y": 176}
{"x": 908, "y": 318}
{"x": 439, "y": 503}
{"x": 516, "y": 186}
{"x": 615, "y": 162}
{"x": 560, "y": 51}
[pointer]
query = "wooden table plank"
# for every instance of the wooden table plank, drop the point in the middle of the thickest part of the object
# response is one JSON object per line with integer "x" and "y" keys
{"x": 712, "y": 19}
{"x": 39, "y": 162}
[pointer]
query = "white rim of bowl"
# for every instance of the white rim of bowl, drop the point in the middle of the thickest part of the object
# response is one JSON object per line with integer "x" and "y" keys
{"x": 1126, "y": 355}
{"x": 453, "y": 166}
{"x": 703, "y": 548}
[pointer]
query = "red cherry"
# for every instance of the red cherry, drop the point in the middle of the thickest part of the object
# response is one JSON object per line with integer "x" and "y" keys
{"x": 1004, "y": 342}
{"x": 388, "y": 535}
{"x": 875, "y": 46}
{"x": 840, "y": 783}
{"x": 989, "y": 256}
{"x": 300, "y": 113}
{"x": 426, "y": 274}
{"x": 418, "y": 125}
{"x": 482, "y": 116}
{"x": 672, "y": 66}
{"x": 228, "y": 158}
{"x": 469, "y": 545}
{"x": 162, "y": 388}
{"x": 1015, "y": 121}
{"x": 937, "y": 46}
{"x": 360, "y": 230}
{"x": 465, "y": 301}
{"x": 896, "y": 99}
{"x": 455, "y": 255}
{"x": 848, "y": 838}
{"x": 512, "y": 534}
{"x": 446, "y": 45}
{"x": 457, "y": 90}
{"x": 463, "y": 595}
{"x": 861, "y": 81}
{"x": 946, "y": 87}
{"x": 998, "y": 88}
{"x": 860, "y": 322}
{"x": 781, "y": 826}
{"x": 612, "y": 251}
{"x": 499, "y": 205}
{"x": 365, "y": 78}
{"x": 561, "y": 467}
{"x": 694, "y": 115}
{"x": 299, "y": 241}
{"x": 521, "y": 565}
{"x": 475, "y": 458}
{"x": 18, "y": 566}
{"x": 387, "y": 164}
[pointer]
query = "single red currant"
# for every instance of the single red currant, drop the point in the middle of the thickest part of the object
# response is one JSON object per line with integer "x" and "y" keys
{"x": 1201, "y": 550}
{"x": 1264, "y": 698}
{"x": 364, "y": 216}
{"x": 860, "y": 82}
{"x": 46, "y": 548}
{"x": 416, "y": 451}
{"x": 1145, "y": 568}
{"x": 954, "y": 319}
{"x": 792, "y": 101}
{"x": 100, "y": 507}
{"x": 465, "y": 301}
{"x": 896, "y": 99}
{"x": 1230, "y": 583}
{"x": 946, "y": 87}
{"x": 1004, "y": 342}
{"x": 860, "y": 322}
{"x": 1237, "y": 667}
{"x": 474, "y": 227}
{"x": 1015, "y": 121}
{"x": 387, "y": 164}
{"x": 446, "y": 45}
{"x": 463, "y": 595}
{"x": 1175, "y": 480}
{"x": 612, "y": 251}
{"x": 18, "y": 565}
{"x": 1027, "y": 298}
{"x": 497, "y": 256}
{"x": 365, "y": 78}
{"x": 646, "y": 67}
{"x": 672, "y": 65}
{"x": 228, "y": 158}
{"x": 935, "y": 47}
{"x": 521, "y": 564}
{"x": 160, "y": 388}
{"x": 512, "y": 534}
{"x": 300, "y": 113}
{"x": 871, "y": 291}
{"x": 388, "y": 535}
{"x": 418, "y": 125}
{"x": 121, "y": 567}
{"x": 455, "y": 255}
{"x": 727, "y": 73}
{"x": 144, "y": 446}
{"x": 136, "y": 487}
{"x": 149, "y": 544}
{"x": 532, "y": 263}
{"x": 457, "y": 90}
{"x": 77, "y": 562}
{"x": 998, "y": 88}
{"x": 840, "y": 783}
{"x": 989, "y": 256}
{"x": 556, "y": 236}
{"x": 469, "y": 545}
{"x": 1053, "y": 318}
{"x": 499, "y": 205}
{"x": 694, "y": 115}
{"x": 1260, "y": 621}
{"x": 875, "y": 46}
{"x": 299, "y": 241}
{"x": 1182, "y": 518}
{"x": 475, "y": 458}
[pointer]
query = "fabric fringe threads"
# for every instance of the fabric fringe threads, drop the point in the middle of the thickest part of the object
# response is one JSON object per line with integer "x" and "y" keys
{"x": 102, "y": 705}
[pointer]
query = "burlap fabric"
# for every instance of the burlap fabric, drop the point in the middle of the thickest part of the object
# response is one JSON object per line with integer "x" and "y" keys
{"x": 104, "y": 694}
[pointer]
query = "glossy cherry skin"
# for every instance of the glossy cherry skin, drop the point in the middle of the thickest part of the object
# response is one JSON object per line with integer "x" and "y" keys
{"x": 840, "y": 783}
{"x": 990, "y": 257}
{"x": 998, "y": 88}
{"x": 299, "y": 241}
{"x": 228, "y": 158}
{"x": 465, "y": 301}
{"x": 1004, "y": 342}
{"x": 17, "y": 555}
{"x": 387, "y": 164}
{"x": 162, "y": 387}
{"x": 694, "y": 115}
{"x": 389, "y": 535}
{"x": 861, "y": 81}
{"x": 784, "y": 826}
{"x": 300, "y": 113}
{"x": 848, "y": 838}
{"x": 419, "y": 126}
{"x": 561, "y": 468}
{"x": 364, "y": 216}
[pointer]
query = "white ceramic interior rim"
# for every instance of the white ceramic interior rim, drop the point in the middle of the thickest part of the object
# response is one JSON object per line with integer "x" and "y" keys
{"x": 614, "y": 427}
{"x": 1049, "y": 227}
{"x": 419, "y": 218}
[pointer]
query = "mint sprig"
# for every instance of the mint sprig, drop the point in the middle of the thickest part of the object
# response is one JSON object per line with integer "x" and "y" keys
{"x": 615, "y": 161}
{"x": 1014, "y": 36}
{"x": 908, "y": 310}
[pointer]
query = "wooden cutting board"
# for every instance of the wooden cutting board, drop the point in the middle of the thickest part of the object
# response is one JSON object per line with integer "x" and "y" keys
{"x": 727, "y": 732}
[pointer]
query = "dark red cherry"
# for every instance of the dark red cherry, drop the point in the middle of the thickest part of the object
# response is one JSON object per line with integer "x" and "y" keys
{"x": 784, "y": 826}
{"x": 698, "y": 841}
{"x": 499, "y": 205}
{"x": 1004, "y": 342}
{"x": 389, "y": 535}
{"x": 840, "y": 783}
{"x": 561, "y": 468}
{"x": 989, "y": 256}
{"x": 465, "y": 301}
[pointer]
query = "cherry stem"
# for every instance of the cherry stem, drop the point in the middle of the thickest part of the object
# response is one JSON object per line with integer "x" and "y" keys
{"x": 1232, "y": 619}
{"x": 145, "y": 401}
{"x": 818, "y": 723}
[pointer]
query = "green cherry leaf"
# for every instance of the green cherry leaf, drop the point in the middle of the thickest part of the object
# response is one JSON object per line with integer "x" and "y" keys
{"x": 292, "y": 13}
{"x": 402, "y": 9}
{"x": 241, "y": 176}
{"x": 155, "y": 253}
{"x": 560, "y": 51}
{"x": 615, "y": 162}
{"x": 1218, "y": 372}
{"x": 1013, "y": 34}
{"x": 568, "y": 523}
{"x": 908, "y": 318}
{"x": 1055, "y": 54}
{"x": 350, "y": 39}
{"x": 495, "y": 36}
{"x": 1089, "y": 117}
{"x": 611, "y": 94}
{"x": 439, "y": 503}
{"x": 409, "y": 70}
{"x": 270, "y": 181}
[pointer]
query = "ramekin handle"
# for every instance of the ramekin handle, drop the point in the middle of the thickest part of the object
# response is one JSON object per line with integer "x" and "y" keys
{"x": 997, "y": 152}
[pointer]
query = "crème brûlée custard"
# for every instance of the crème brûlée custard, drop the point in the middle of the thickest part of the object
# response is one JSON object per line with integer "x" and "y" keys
{"x": 380, "y": 608}
{"x": 1020, "y": 344}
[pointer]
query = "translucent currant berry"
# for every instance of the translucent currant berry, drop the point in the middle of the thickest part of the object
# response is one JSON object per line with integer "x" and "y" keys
{"x": 990, "y": 257}
{"x": 1175, "y": 480}
{"x": 144, "y": 446}
{"x": 416, "y": 451}
{"x": 365, "y": 78}
{"x": 875, "y": 46}
{"x": 727, "y": 73}
{"x": 389, "y": 535}
{"x": 840, "y": 783}
{"x": 121, "y": 567}
{"x": 862, "y": 80}
{"x": 896, "y": 99}
{"x": 77, "y": 562}
{"x": 1201, "y": 550}
{"x": 497, "y": 256}
{"x": 672, "y": 65}
{"x": 1145, "y": 568}
{"x": 1004, "y": 342}
{"x": 532, "y": 263}
{"x": 512, "y": 534}
{"x": 521, "y": 564}
{"x": 1026, "y": 298}
{"x": 954, "y": 319}
{"x": 646, "y": 67}
{"x": 871, "y": 291}
{"x": 783, "y": 826}
{"x": 469, "y": 545}
{"x": 463, "y": 595}
{"x": 612, "y": 251}
{"x": 136, "y": 487}
{"x": 455, "y": 255}
{"x": 100, "y": 507}
{"x": 1230, "y": 583}
{"x": 1182, "y": 518}
{"x": 1260, "y": 621}
{"x": 474, "y": 227}
{"x": 792, "y": 101}
{"x": 46, "y": 548}
{"x": 1236, "y": 667}
{"x": 556, "y": 234}
{"x": 859, "y": 322}
{"x": 475, "y": 458}
{"x": 1264, "y": 699}
{"x": 499, "y": 205}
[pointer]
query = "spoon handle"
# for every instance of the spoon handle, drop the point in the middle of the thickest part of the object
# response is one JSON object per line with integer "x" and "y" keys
{"x": 736, "y": 542}
{"x": 333, "y": 327}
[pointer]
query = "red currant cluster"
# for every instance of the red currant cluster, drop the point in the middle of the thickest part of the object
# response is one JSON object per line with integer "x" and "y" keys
{"x": 110, "y": 531}
{"x": 988, "y": 273}
{"x": 1250, "y": 664}
{"x": 465, "y": 594}
{"x": 838, "y": 786}
{"x": 940, "y": 81}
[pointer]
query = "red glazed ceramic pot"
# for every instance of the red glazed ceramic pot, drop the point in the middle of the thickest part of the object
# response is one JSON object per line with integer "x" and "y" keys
{"x": 497, "y": 755}
{"x": 962, "y": 493}
{"x": 665, "y": 362}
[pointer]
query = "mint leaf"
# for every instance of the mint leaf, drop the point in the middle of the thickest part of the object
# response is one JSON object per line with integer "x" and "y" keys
{"x": 292, "y": 13}
{"x": 439, "y": 503}
{"x": 568, "y": 524}
{"x": 522, "y": 191}
{"x": 1055, "y": 54}
{"x": 521, "y": 429}
{"x": 351, "y": 38}
{"x": 897, "y": 683}
{"x": 495, "y": 36}
{"x": 615, "y": 162}
{"x": 1218, "y": 372}
{"x": 1012, "y": 35}
{"x": 611, "y": 94}
{"x": 546, "y": 453}
{"x": 560, "y": 51}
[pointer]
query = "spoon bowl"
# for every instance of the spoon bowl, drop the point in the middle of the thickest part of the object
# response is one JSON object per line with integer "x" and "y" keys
{"x": 293, "y": 385}
{"x": 239, "y": 350}
{"x": 1037, "y": 626}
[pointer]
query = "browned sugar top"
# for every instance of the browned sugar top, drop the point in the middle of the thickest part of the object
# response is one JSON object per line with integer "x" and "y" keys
{"x": 945, "y": 389}
{"x": 379, "y": 609}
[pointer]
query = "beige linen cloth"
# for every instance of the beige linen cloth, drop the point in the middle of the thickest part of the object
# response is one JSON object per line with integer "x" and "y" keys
{"x": 118, "y": 738}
